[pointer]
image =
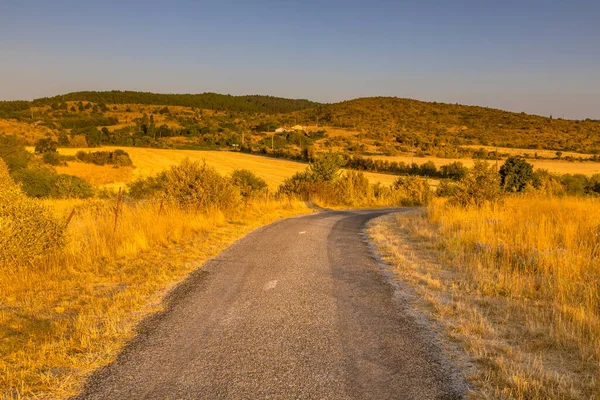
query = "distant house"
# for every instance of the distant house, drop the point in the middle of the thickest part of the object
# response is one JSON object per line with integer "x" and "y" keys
{"x": 297, "y": 128}
{"x": 280, "y": 130}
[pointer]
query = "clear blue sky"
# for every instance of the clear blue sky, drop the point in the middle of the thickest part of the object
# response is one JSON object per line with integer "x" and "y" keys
{"x": 535, "y": 56}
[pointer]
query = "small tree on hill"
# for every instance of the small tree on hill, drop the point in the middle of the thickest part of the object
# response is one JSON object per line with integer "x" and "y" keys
{"x": 516, "y": 174}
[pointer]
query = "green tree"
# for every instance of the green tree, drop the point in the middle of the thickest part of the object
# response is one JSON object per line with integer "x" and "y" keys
{"x": 481, "y": 186}
{"x": 515, "y": 174}
{"x": 13, "y": 152}
{"x": 45, "y": 145}
{"x": 326, "y": 167}
{"x": 249, "y": 183}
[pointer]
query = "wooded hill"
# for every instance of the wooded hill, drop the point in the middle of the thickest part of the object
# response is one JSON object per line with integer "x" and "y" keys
{"x": 431, "y": 124}
{"x": 376, "y": 125}
{"x": 210, "y": 101}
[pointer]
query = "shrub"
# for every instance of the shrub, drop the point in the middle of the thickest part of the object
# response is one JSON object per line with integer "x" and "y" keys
{"x": 52, "y": 158}
{"x": 326, "y": 167}
{"x": 515, "y": 174}
{"x": 117, "y": 157}
{"x": 41, "y": 183}
{"x": 13, "y": 153}
{"x": 190, "y": 183}
{"x": 446, "y": 188}
{"x": 46, "y": 145}
{"x": 248, "y": 183}
{"x": 27, "y": 229}
{"x": 480, "y": 186}
{"x": 352, "y": 188}
{"x": 411, "y": 191}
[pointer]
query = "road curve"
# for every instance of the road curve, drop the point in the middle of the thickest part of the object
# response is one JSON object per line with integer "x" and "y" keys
{"x": 297, "y": 309}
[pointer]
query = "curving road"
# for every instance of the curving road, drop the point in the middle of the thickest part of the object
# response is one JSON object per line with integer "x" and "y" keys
{"x": 298, "y": 309}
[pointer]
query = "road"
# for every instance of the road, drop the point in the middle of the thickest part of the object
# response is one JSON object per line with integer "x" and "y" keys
{"x": 299, "y": 309}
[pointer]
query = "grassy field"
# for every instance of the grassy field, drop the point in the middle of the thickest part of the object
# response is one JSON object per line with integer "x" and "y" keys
{"x": 516, "y": 285}
{"x": 555, "y": 166}
{"x": 71, "y": 312}
{"x": 151, "y": 161}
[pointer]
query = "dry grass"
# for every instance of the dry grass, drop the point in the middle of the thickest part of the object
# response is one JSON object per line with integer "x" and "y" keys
{"x": 71, "y": 313}
{"x": 518, "y": 286}
{"x": 98, "y": 175}
{"x": 30, "y": 133}
{"x": 274, "y": 171}
{"x": 587, "y": 168}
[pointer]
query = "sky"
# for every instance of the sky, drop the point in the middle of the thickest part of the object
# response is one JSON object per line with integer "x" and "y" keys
{"x": 540, "y": 57}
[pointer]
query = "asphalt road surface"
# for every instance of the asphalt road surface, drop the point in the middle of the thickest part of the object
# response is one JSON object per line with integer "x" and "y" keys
{"x": 299, "y": 309}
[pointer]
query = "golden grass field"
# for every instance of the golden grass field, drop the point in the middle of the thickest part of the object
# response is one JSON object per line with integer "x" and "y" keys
{"x": 151, "y": 161}
{"x": 517, "y": 286}
{"x": 587, "y": 168}
{"x": 72, "y": 311}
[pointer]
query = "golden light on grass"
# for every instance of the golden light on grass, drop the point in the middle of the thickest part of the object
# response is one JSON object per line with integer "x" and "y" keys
{"x": 151, "y": 161}
{"x": 517, "y": 285}
{"x": 73, "y": 311}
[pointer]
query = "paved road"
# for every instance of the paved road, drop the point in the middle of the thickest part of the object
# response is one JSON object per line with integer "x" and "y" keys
{"x": 296, "y": 310}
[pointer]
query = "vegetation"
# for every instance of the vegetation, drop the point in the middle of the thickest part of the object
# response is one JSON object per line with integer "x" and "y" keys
{"x": 248, "y": 182}
{"x": 323, "y": 181}
{"x": 516, "y": 285}
{"x": 439, "y": 129}
{"x": 213, "y": 101}
{"x": 28, "y": 230}
{"x": 117, "y": 157}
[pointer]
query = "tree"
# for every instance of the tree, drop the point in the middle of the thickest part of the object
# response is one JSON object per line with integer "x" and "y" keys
{"x": 13, "y": 152}
{"x": 481, "y": 186}
{"x": 46, "y": 145}
{"x": 326, "y": 167}
{"x": 515, "y": 174}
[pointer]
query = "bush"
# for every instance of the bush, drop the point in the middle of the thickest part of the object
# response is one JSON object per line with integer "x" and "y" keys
{"x": 480, "y": 186}
{"x": 117, "y": 157}
{"x": 41, "y": 183}
{"x": 352, "y": 188}
{"x": 190, "y": 183}
{"x": 46, "y": 145}
{"x": 326, "y": 167}
{"x": 52, "y": 158}
{"x": 27, "y": 229}
{"x": 446, "y": 188}
{"x": 13, "y": 153}
{"x": 515, "y": 174}
{"x": 411, "y": 191}
{"x": 248, "y": 183}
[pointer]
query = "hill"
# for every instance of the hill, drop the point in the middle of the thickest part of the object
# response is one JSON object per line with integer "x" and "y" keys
{"x": 386, "y": 126}
{"x": 438, "y": 128}
{"x": 212, "y": 101}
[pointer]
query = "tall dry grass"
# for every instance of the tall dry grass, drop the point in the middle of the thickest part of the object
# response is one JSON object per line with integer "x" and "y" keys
{"x": 71, "y": 311}
{"x": 517, "y": 284}
{"x": 535, "y": 249}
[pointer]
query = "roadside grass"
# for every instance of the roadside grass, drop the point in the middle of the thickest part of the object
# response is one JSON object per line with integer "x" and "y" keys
{"x": 73, "y": 311}
{"x": 517, "y": 286}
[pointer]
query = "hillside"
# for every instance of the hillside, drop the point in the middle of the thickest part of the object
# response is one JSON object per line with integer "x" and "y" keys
{"x": 368, "y": 126}
{"x": 437, "y": 128}
{"x": 212, "y": 101}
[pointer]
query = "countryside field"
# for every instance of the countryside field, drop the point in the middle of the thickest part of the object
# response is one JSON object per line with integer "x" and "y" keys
{"x": 151, "y": 161}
